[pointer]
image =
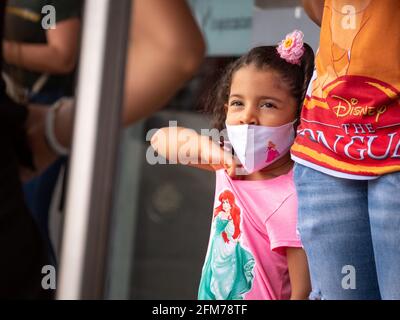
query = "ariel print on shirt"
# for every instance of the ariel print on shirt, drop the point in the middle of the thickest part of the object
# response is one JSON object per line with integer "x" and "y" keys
{"x": 228, "y": 270}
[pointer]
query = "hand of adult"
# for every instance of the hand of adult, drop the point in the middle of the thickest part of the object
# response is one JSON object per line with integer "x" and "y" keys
{"x": 44, "y": 155}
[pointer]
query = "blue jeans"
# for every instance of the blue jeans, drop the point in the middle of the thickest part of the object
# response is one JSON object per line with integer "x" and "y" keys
{"x": 351, "y": 233}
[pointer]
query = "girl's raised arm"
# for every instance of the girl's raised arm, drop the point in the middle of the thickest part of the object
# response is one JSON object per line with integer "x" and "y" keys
{"x": 186, "y": 146}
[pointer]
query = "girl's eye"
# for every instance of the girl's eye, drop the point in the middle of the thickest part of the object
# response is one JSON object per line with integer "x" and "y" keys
{"x": 236, "y": 104}
{"x": 268, "y": 105}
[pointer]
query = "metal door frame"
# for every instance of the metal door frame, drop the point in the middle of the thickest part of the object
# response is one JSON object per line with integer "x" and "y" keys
{"x": 97, "y": 131}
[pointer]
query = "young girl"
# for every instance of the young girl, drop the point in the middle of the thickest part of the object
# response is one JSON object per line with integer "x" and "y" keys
{"x": 254, "y": 251}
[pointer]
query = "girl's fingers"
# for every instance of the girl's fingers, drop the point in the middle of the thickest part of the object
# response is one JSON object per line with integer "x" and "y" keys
{"x": 232, "y": 170}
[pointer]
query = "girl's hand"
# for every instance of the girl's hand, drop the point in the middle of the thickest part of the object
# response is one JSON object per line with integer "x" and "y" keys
{"x": 220, "y": 158}
{"x": 227, "y": 162}
{"x": 232, "y": 166}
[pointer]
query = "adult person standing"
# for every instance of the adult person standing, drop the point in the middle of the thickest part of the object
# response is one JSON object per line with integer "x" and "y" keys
{"x": 347, "y": 152}
{"x": 23, "y": 253}
{"x": 39, "y": 67}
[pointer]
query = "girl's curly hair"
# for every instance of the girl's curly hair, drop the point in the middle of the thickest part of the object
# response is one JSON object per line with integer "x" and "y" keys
{"x": 296, "y": 77}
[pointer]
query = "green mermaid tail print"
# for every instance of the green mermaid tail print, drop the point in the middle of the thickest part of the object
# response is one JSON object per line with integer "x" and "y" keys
{"x": 228, "y": 270}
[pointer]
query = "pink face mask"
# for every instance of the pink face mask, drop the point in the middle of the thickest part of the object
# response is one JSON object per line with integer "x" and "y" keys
{"x": 259, "y": 146}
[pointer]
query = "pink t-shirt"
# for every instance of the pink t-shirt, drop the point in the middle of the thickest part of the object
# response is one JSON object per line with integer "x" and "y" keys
{"x": 253, "y": 222}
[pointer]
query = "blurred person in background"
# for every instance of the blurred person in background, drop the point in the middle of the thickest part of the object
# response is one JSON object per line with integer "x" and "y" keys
{"x": 23, "y": 252}
{"x": 39, "y": 67}
{"x": 166, "y": 49}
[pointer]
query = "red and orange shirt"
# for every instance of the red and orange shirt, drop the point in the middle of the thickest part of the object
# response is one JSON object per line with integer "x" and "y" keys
{"x": 350, "y": 122}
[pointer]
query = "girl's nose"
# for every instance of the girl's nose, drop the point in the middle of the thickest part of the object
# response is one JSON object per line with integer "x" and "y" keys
{"x": 249, "y": 116}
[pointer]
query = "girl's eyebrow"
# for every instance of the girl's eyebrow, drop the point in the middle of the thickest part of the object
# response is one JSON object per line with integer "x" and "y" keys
{"x": 260, "y": 97}
{"x": 270, "y": 98}
{"x": 236, "y": 95}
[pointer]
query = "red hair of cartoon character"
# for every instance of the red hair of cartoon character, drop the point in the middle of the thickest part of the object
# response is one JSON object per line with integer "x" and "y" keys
{"x": 234, "y": 213}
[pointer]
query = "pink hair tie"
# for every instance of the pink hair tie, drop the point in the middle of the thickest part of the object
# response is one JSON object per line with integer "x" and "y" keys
{"x": 291, "y": 48}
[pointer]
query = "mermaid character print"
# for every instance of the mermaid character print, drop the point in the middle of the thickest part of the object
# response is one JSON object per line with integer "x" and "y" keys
{"x": 228, "y": 269}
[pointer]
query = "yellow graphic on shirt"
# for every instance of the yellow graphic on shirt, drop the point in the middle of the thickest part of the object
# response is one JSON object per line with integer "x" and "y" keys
{"x": 351, "y": 116}
{"x": 323, "y": 158}
{"x": 343, "y": 43}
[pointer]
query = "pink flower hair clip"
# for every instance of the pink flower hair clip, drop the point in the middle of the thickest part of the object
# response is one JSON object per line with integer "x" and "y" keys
{"x": 291, "y": 48}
